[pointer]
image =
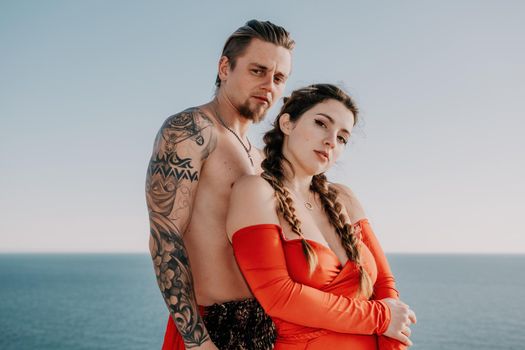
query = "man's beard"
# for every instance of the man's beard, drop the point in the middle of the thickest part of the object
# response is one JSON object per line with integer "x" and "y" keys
{"x": 253, "y": 114}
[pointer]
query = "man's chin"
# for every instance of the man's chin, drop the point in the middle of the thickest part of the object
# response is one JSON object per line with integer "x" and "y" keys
{"x": 259, "y": 117}
{"x": 256, "y": 115}
{"x": 260, "y": 113}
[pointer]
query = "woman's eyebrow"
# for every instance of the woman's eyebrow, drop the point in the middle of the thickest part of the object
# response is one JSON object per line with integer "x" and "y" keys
{"x": 332, "y": 121}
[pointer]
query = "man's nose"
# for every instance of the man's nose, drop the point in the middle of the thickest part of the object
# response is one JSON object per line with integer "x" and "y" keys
{"x": 268, "y": 83}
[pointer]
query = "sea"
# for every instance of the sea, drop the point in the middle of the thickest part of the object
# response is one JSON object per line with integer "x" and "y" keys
{"x": 111, "y": 301}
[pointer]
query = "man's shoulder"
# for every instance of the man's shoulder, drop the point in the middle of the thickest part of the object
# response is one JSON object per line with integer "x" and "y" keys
{"x": 190, "y": 118}
{"x": 191, "y": 129}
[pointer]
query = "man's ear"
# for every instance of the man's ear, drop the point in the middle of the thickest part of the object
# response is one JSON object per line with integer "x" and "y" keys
{"x": 223, "y": 68}
{"x": 285, "y": 124}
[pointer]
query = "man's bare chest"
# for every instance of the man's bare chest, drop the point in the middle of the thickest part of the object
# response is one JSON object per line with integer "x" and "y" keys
{"x": 227, "y": 164}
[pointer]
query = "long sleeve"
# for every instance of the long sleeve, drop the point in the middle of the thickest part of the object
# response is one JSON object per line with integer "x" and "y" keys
{"x": 385, "y": 286}
{"x": 259, "y": 253}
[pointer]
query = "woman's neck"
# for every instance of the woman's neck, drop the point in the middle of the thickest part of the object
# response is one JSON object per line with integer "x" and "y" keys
{"x": 298, "y": 183}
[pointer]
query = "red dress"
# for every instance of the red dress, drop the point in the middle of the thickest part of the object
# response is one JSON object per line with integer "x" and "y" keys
{"x": 318, "y": 311}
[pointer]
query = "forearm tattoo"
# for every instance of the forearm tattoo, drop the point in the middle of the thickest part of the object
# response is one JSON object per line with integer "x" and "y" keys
{"x": 184, "y": 140}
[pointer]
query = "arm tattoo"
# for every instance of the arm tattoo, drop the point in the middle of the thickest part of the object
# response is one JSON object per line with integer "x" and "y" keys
{"x": 185, "y": 139}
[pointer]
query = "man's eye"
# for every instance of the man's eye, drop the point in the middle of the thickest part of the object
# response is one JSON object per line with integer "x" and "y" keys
{"x": 320, "y": 123}
{"x": 257, "y": 71}
{"x": 278, "y": 80}
{"x": 342, "y": 140}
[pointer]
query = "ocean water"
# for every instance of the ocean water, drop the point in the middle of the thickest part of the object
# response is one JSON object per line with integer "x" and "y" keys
{"x": 105, "y": 301}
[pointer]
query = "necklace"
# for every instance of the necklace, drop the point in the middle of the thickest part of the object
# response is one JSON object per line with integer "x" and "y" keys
{"x": 246, "y": 149}
{"x": 307, "y": 204}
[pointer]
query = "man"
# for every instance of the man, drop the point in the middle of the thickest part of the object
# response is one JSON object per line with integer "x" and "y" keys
{"x": 197, "y": 156}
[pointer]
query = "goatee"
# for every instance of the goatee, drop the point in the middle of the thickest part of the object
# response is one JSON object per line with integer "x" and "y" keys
{"x": 254, "y": 115}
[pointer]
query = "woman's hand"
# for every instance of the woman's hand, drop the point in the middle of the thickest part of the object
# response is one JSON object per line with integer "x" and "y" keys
{"x": 400, "y": 320}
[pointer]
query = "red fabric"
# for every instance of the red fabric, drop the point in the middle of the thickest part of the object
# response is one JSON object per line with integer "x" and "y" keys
{"x": 385, "y": 285}
{"x": 172, "y": 338}
{"x": 317, "y": 311}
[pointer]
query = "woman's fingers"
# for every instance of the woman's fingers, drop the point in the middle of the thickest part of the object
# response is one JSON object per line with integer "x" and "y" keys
{"x": 412, "y": 316}
{"x": 404, "y": 339}
{"x": 401, "y": 319}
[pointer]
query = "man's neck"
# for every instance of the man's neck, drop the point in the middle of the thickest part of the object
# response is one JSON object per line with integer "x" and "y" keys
{"x": 229, "y": 115}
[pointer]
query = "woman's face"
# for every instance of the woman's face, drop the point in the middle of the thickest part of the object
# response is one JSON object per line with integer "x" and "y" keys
{"x": 315, "y": 141}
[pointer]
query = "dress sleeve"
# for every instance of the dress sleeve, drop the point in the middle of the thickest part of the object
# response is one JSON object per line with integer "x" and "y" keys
{"x": 385, "y": 286}
{"x": 260, "y": 256}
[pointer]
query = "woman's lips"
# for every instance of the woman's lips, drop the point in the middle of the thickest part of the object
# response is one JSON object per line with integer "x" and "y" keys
{"x": 323, "y": 155}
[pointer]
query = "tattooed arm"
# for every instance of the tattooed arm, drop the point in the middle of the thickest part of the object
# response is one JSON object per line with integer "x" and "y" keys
{"x": 182, "y": 144}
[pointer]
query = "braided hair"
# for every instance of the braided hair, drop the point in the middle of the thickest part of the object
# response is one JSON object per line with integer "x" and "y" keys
{"x": 296, "y": 105}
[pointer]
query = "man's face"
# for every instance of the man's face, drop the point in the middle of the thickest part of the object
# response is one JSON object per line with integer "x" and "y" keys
{"x": 258, "y": 79}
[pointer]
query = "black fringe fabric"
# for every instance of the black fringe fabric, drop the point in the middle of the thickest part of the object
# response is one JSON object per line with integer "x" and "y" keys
{"x": 239, "y": 325}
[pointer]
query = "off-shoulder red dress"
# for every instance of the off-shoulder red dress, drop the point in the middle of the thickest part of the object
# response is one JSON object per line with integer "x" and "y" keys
{"x": 320, "y": 311}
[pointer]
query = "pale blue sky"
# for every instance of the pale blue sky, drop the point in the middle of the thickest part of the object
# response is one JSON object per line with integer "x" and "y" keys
{"x": 437, "y": 161}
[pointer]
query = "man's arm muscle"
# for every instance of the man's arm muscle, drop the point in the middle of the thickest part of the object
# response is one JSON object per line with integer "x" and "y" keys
{"x": 182, "y": 144}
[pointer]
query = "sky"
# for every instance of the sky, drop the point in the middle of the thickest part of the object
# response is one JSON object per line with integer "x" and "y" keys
{"x": 437, "y": 158}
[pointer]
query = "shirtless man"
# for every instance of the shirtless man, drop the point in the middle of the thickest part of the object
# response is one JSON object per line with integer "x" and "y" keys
{"x": 197, "y": 156}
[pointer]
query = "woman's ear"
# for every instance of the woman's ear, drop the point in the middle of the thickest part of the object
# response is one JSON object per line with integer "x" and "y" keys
{"x": 285, "y": 124}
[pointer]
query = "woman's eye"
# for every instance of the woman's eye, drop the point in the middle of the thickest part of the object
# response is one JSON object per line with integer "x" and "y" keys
{"x": 342, "y": 140}
{"x": 320, "y": 123}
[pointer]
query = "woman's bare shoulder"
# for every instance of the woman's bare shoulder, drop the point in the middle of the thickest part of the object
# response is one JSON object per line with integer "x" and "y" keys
{"x": 252, "y": 202}
{"x": 252, "y": 183}
{"x": 350, "y": 201}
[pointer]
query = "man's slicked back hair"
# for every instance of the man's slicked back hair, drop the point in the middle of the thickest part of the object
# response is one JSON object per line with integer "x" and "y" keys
{"x": 266, "y": 31}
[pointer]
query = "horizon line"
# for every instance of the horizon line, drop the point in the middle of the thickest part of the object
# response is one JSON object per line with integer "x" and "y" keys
{"x": 147, "y": 253}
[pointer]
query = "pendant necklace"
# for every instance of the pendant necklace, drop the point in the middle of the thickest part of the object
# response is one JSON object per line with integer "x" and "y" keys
{"x": 307, "y": 204}
{"x": 246, "y": 149}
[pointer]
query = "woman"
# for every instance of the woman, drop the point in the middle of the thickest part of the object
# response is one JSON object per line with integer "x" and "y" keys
{"x": 304, "y": 245}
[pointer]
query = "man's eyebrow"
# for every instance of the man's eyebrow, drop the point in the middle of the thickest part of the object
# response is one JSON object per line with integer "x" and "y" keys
{"x": 332, "y": 121}
{"x": 260, "y": 66}
{"x": 263, "y": 67}
{"x": 281, "y": 74}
